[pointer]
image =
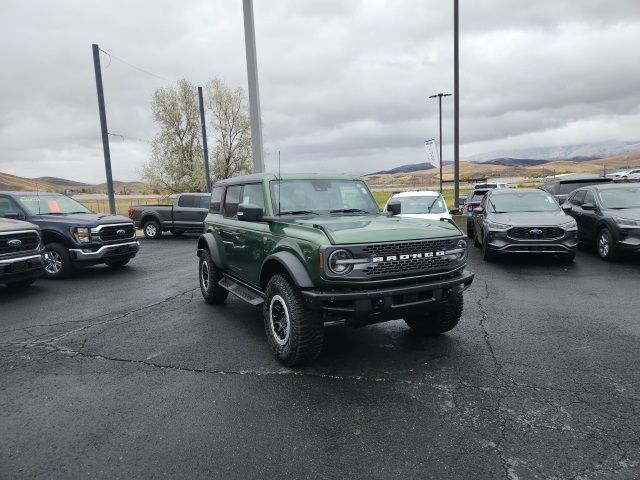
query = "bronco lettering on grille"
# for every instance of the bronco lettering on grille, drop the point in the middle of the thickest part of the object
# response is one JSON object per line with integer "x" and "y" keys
{"x": 409, "y": 256}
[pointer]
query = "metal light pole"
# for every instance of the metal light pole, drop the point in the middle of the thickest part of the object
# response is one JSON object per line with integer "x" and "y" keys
{"x": 205, "y": 149}
{"x": 254, "y": 93}
{"x": 456, "y": 106}
{"x": 440, "y": 95}
{"x": 103, "y": 127}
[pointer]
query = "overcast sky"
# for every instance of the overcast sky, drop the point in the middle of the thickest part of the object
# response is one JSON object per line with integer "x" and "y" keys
{"x": 343, "y": 84}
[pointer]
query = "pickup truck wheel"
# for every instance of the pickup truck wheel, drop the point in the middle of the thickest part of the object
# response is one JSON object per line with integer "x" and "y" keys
{"x": 57, "y": 263}
{"x": 294, "y": 332}
{"x": 152, "y": 229}
{"x": 118, "y": 264}
{"x": 440, "y": 321}
{"x": 209, "y": 276}
{"x": 21, "y": 283}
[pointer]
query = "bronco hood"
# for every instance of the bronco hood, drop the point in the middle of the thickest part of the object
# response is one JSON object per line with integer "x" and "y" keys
{"x": 378, "y": 228}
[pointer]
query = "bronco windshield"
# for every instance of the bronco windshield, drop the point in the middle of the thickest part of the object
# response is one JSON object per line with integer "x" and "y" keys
{"x": 621, "y": 198}
{"x": 46, "y": 204}
{"x": 321, "y": 197}
{"x": 522, "y": 202}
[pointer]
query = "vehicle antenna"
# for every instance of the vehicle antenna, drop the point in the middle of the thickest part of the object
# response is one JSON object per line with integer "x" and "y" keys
{"x": 279, "y": 183}
{"x": 38, "y": 196}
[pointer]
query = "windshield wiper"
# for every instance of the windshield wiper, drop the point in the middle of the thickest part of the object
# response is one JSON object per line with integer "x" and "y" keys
{"x": 71, "y": 213}
{"x": 298, "y": 212}
{"x": 349, "y": 210}
{"x": 432, "y": 204}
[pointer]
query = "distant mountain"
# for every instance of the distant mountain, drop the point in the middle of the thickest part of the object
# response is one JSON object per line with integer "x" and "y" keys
{"x": 413, "y": 167}
{"x": 55, "y": 184}
{"x": 63, "y": 182}
{"x": 579, "y": 152}
{"x": 515, "y": 162}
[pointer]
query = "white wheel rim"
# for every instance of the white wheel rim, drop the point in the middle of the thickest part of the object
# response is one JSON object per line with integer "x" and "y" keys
{"x": 150, "y": 229}
{"x": 204, "y": 275}
{"x": 53, "y": 262}
{"x": 603, "y": 244}
{"x": 279, "y": 320}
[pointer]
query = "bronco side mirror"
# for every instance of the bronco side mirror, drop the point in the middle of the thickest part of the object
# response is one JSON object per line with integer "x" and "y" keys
{"x": 248, "y": 212}
{"x": 394, "y": 207}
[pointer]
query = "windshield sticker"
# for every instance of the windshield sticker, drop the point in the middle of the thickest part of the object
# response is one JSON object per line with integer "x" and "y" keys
{"x": 53, "y": 205}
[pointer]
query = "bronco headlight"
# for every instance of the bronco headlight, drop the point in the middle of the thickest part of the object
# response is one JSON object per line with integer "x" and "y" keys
{"x": 458, "y": 253}
{"x": 81, "y": 234}
{"x": 570, "y": 225}
{"x": 340, "y": 261}
{"x": 626, "y": 222}
{"x": 497, "y": 226}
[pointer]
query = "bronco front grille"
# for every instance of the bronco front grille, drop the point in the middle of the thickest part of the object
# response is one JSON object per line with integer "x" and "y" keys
{"x": 16, "y": 242}
{"x": 117, "y": 232}
{"x": 426, "y": 249}
{"x": 535, "y": 233}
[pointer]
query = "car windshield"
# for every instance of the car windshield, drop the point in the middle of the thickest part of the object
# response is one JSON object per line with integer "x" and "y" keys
{"x": 52, "y": 204}
{"x": 421, "y": 204}
{"x": 621, "y": 198}
{"x": 321, "y": 197}
{"x": 522, "y": 202}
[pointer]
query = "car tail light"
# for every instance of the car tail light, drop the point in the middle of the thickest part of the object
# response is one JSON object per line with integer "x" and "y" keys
{"x": 469, "y": 207}
{"x": 132, "y": 211}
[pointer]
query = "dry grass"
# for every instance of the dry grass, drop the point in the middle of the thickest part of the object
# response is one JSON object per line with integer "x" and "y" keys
{"x": 122, "y": 204}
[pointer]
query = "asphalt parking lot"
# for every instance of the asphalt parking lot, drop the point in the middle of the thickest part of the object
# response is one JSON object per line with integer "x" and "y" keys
{"x": 124, "y": 374}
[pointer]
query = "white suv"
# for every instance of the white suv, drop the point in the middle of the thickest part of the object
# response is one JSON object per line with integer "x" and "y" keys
{"x": 424, "y": 204}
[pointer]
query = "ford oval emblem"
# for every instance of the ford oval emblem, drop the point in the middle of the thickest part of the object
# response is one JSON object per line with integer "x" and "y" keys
{"x": 535, "y": 231}
{"x": 15, "y": 243}
{"x": 120, "y": 233}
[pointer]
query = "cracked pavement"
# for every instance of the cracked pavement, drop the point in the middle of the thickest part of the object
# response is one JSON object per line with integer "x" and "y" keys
{"x": 129, "y": 374}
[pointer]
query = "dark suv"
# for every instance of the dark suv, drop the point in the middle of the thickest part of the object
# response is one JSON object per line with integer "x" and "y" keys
{"x": 561, "y": 187}
{"x": 608, "y": 217}
{"x": 72, "y": 234}
{"x": 315, "y": 251}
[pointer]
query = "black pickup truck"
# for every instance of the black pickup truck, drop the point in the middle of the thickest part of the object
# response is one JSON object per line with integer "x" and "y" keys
{"x": 21, "y": 252}
{"x": 72, "y": 235}
{"x": 187, "y": 214}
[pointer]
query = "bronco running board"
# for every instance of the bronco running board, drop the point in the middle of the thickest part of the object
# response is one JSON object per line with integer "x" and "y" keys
{"x": 241, "y": 291}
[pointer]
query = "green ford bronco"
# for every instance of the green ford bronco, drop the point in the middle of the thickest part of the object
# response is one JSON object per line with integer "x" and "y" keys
{"x": 315, "y": 251}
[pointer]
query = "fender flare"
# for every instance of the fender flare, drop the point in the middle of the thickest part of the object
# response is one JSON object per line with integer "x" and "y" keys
{"x": 294, "y": 267}
{"x": 207, "y": 241}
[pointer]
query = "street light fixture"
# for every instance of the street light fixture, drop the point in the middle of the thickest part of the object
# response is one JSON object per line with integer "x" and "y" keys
{"x": 439, "y": 96}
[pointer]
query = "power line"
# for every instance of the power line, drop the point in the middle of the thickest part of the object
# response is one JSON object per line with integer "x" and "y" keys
{"x": 134, "y": 66}
{"x": 126, "y": 137}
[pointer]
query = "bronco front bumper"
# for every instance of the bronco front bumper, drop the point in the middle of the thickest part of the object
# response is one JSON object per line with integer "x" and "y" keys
{"x": 380, "y": 304}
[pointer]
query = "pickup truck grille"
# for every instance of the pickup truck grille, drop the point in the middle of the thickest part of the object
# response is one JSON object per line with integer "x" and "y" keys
{"x": 110, "y": 233}
{"x": 426, "y": 249}
{"x": 535, "y": 233}
{"x": 12, "y": 243}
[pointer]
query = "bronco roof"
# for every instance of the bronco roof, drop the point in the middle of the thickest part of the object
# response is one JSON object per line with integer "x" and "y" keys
{"x": 259, "y": 177}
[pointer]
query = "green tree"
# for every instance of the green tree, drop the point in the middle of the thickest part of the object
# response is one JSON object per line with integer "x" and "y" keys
{"x": 176, "y": 162}
{"x": 231, "y": 128}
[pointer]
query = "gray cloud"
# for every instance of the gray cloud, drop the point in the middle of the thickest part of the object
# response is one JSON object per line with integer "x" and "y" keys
{"x": 344, "y": 85}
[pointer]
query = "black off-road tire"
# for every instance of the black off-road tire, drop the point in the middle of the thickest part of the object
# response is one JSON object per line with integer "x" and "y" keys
{"x": 117, "y": 263}
{"x": 208, "y": 277}
{"x": 58, "y": 263}
{"x": 606, "y": 252}
{"x": 21, "y": 283}
{"x": 300, "y": 340}
{"x": 440, "y": 321}
{"x": 152, "y": 229}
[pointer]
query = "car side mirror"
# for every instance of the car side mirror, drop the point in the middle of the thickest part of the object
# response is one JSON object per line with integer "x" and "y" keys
{"x": 15, "y": 215}
{"x": 588, "y": 206}
{"x": 566, "y": 207}
{"x": 478, "y": 210}
{"x": 454, "y": 211}
{"x": 248, "y": 212}
{"x": 394, "y": 207}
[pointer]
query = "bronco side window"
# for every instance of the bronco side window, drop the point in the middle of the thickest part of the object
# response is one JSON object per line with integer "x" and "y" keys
{"x": 231, "y": 201}
{"x": 253, "y": 193}
{"x": 216, "y": 199}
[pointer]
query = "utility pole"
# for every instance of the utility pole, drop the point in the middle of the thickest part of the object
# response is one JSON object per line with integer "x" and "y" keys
{"x": 254, "y": 93}
{"x": 456, "y": 106}
{"x": 103, "y": 127}
{"x": 440, "y": 95}
{"x": 205, "y": 149}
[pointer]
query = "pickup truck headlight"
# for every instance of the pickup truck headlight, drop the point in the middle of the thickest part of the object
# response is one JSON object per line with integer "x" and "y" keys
{"x": 626, "y": 222}
{"x": 81, "y": 234}
{"x": 497, "y": 226}
{"x": 339, "y": 261}
{"x": 570, "y": 225}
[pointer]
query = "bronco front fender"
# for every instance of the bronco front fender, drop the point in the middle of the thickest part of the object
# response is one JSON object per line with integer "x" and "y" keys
{"x": 292, "y": 265}
{"x": 207, "y": 241}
